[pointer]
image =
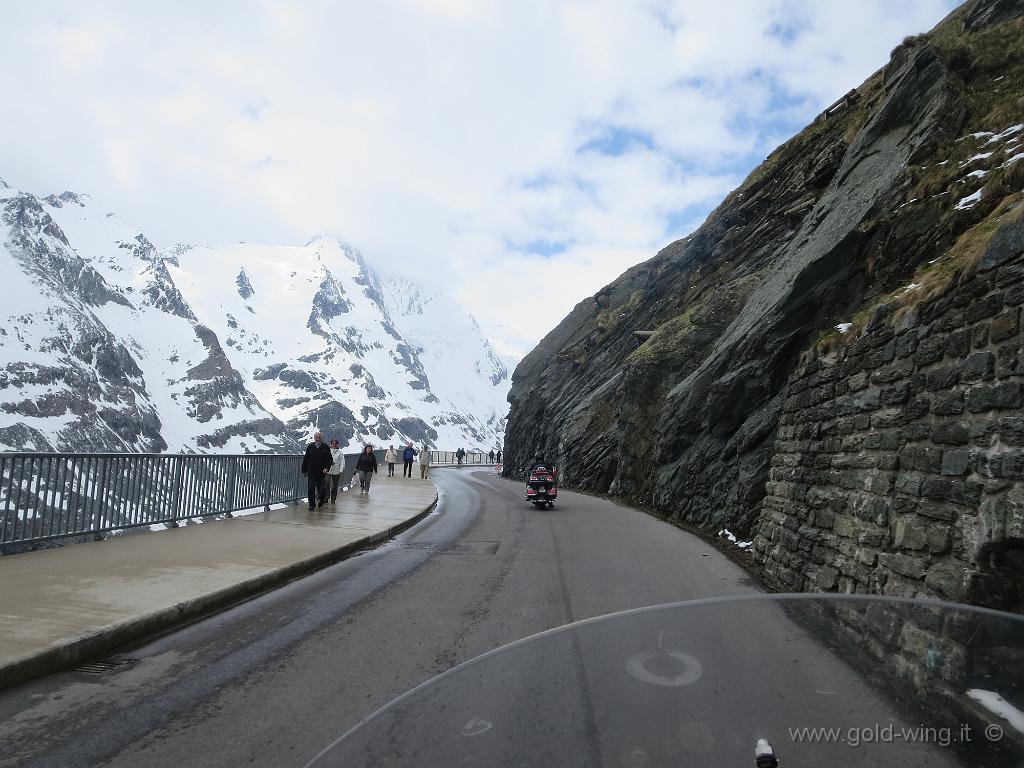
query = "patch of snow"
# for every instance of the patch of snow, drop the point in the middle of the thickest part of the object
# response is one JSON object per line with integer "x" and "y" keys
{"x": 969, "y": 201}
{"x": 997, "y": 705}
{"x": 844, "y": 327}
{"x": 1013, "y": 159}
{"x": 725, "y": 533}
{"x": 911, "y": 287}
{"x": 1007, "y": 133}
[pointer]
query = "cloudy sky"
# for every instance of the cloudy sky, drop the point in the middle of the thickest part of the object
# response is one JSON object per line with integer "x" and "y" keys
{"x": 522, "y": 153}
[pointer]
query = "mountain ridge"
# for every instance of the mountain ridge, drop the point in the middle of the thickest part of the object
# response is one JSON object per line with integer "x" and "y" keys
{"x": 132, "y": 347}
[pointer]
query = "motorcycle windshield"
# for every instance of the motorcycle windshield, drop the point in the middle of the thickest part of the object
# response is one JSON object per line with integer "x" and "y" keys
{"x": 826, "y": 681}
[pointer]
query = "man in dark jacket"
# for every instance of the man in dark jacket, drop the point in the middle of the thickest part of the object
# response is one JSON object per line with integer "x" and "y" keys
{"x": 315, "y": 464}
{"x": 407, "y": 456}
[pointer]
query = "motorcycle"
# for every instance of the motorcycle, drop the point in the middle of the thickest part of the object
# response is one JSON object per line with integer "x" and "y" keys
{"x": 801, "y": 680}
{"x": 542, "y": 487}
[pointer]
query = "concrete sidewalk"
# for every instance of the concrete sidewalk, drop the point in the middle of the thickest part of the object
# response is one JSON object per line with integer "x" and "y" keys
{"x": 61, "y": 606}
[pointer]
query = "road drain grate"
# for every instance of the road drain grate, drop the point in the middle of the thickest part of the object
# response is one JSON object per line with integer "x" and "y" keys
{"x": 106, "y": 665}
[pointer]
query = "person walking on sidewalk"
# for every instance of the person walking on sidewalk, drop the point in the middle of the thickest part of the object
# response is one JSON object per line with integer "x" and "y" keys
{"x": 407, "y": 456}
{"x": 498, "y": 458}
{"x": 315, "y": 464}
{"x": 490, "y": 456}
{"x": 366, "y": 465}
{"x": 460, "y": 455}
{"x": 334, "y": 473}
{"x": 391, "y": 457}
{"x": 424, "y": 462}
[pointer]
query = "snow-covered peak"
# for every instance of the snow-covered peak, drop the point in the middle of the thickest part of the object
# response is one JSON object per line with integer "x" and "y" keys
{"x": 244, "y": 347}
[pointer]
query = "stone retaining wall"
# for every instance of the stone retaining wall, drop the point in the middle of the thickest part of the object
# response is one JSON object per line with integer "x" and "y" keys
{"x": 899, "y": 461}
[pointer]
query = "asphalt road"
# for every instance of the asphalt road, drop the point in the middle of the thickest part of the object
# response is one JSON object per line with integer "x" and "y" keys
{"x": 274, "y": 680}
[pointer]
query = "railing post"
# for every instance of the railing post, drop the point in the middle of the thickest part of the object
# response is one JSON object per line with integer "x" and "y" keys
{"x": 229, "y": 501}
{"x": 176, "y": 490}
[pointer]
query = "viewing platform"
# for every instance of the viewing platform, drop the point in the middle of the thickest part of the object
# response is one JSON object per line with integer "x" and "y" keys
{"x": 64, "y": 605}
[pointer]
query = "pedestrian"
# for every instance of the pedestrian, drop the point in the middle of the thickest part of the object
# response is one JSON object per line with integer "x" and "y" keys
{"x": 490, "y": 456}
{"x": 498, "y": 457}
{"x": 391, "y": 457}
{"x": 424, "y": 462}
{"x": 460, "y": 455}
{"x": 315, "y": 464}
{"x": 366, "y": 465}
{"x": 334, "y": 473}
{"x": 407, "y": 456}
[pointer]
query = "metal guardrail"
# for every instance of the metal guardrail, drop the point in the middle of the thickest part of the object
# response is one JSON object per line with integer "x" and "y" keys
{"x": 441, "y": 458}
{"x": 46, "y": 497}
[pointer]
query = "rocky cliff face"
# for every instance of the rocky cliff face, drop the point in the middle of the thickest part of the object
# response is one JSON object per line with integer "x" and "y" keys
{"x": 891, "y": 199}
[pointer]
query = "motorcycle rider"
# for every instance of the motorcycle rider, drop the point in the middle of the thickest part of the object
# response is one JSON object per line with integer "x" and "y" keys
{"x": 539, "y": 463}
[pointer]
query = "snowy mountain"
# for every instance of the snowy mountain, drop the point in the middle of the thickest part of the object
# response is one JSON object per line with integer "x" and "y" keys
{"x": 108, "y": 343}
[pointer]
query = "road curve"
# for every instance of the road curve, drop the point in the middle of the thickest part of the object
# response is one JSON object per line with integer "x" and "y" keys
{"x": 273, "y": 680}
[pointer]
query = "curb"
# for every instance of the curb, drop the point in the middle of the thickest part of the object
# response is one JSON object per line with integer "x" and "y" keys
{"x": 76, "y": 651}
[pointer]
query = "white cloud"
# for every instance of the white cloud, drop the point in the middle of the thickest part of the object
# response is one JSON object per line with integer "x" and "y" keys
{"x": 442, "y": 138}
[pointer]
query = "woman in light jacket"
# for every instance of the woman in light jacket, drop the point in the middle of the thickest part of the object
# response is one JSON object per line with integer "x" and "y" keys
{"x": 424, "y": 461}
{"x": 334, "y": 473}
{"x": 391, "y": 457}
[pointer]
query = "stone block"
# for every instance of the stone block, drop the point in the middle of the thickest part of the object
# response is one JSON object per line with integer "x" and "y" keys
{"x": 929, "y": 459}
{"x": 938, "y": 510}
{"x": 858, "y": 381}
{"x": 930, "y": 350}
{"x": 876, "y": 358}
{"x": 979, "y": 366}
{"x": 1011, "y": 465}
{"x": 979, "y": 336}
{"x": 987, "y": 397}
{"x": 866, "y": 556}
{"x": 897, "y": 394}
{"x": 888, "y": 417}
{"x": 826, "y": 579}
{"x": 982, "y": 429}
{"x": 906, "y": 345}
{"x": 956, "y": 462}
{"x": 958, "y": 343}
{"x": 917, "y": 407}
{"x": 949, "y": 403}
{"x": 946, "y": 579}
{"x": 938, "y": 538}
{"x": 950, "y": 432}
{"x": 871, "y": 538}
{"x": 1008, "y": 361}
{"x": 909, "y": 566}
{"x": 846, "y": 526}
{"x": 1004, "y": 325}
{"x": 984, "y": 307}
{"x": 909, "y": 533}
{"x": 1011, "y": 429}
{"x": 908, "y": 485}
{"x": 942, "y": 377}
